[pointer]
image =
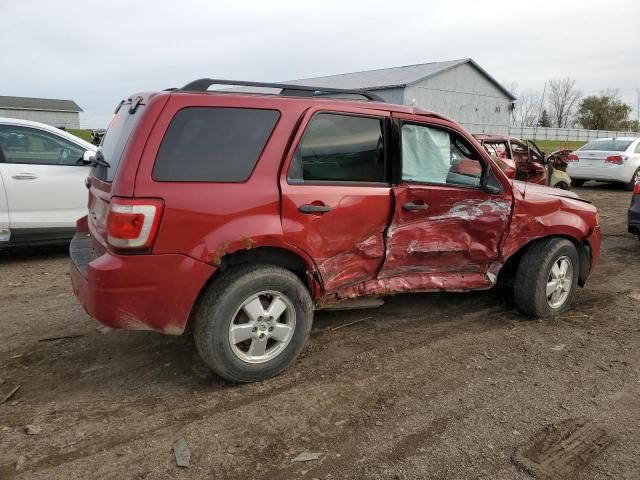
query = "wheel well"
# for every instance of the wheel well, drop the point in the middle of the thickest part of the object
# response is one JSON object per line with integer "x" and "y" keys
{"x": 271, "y": 255}
{"x": 508, "y": 270}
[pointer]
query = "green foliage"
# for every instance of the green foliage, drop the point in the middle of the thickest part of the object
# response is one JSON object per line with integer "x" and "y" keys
{"x": 83, "y": 134}
{"x": 603, "y": 112}
{"x": 549, "y": 146}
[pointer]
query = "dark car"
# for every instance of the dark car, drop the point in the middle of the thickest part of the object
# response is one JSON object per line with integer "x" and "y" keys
{"x": 242, "y": 213}
{"x": 634, "y": 211}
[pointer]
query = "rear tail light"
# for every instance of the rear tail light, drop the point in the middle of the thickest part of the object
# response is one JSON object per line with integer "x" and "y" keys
{"x": 616, "y": 159}
{"x": 636, "y": 190}
{"x": 133, "y": 223}
{"x": 572, "y": 157}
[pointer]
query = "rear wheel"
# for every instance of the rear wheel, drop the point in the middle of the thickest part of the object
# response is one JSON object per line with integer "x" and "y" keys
{"x": 577, "y": 183}
{"x": 252, "y": 322}
{"x": 636, "y": 178}
{"x": 546, "y": 278}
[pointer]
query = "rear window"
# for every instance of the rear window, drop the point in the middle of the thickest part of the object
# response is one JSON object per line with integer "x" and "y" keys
{"x": 607, "y": 145}
{"x": 116, "y": 139}
{"x": 213, "y": 144}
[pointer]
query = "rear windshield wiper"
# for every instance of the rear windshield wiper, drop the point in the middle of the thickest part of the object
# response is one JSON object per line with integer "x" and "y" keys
{"x": 98, "y": 159}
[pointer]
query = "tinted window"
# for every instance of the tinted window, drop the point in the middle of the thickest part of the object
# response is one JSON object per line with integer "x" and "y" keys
{"x": 116, "y": 139}
{"x": 204, "y": 144}
{"x": 607, "y": 145}
{"x": 340, "y": 148}
{"x": 37, "y": 147}
{"x": 431, "y": 155}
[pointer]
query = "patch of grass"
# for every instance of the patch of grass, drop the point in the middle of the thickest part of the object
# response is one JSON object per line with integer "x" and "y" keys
{"x": 78, "y": 132}
{"x": 549, "y": 146}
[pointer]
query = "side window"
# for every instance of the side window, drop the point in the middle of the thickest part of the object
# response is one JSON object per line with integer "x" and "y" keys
{"x": 213, "y": 144}
{"x": 432, "y": 155}
{"x": 638, "y": 148}
{"x": 340, "y": 148}
{"x": 32, "y": 146}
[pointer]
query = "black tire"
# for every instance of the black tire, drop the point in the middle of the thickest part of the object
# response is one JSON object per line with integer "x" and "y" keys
{"x": 562, "y": 186}
{"x": 533, "y": 272}
{"x": 632, "y": 183}
{"x": 222, "y": 299}
{"x": 577, "y": 183}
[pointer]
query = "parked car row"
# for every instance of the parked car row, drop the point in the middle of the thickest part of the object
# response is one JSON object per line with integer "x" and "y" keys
{"x": 241, "y": 214}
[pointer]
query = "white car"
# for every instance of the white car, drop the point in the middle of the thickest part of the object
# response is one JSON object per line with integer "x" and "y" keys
{"x": 42, "y": 182}
{"x": 607, "y": 160}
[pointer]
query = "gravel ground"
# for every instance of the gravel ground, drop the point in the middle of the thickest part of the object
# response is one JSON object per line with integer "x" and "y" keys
{"x": 439, "y": 386}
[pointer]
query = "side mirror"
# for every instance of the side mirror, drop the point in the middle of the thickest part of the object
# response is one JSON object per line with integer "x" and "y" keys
{"x": 88, "y": 157}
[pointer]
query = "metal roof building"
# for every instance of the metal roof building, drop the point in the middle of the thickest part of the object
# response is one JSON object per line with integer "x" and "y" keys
{"x": 459, "y": 89}
{"x": 57, "y": 113}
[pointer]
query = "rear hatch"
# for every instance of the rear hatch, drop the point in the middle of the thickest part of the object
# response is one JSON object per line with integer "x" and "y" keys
{"x": 595, "y": 153}
{"x": 109, "y": 157}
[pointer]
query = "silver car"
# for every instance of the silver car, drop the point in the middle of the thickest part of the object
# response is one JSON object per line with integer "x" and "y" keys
{"x": 607, "y": 160}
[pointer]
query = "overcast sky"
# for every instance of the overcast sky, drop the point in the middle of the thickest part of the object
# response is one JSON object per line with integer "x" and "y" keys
{"x": 99, "y": 52}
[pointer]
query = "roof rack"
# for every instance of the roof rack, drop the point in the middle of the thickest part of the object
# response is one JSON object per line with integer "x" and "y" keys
{"x": 203, "y": 84}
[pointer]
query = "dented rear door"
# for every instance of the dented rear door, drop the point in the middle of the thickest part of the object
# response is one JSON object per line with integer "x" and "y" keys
{"x": 336, "y": 194}
{"x": 445, "y": 225}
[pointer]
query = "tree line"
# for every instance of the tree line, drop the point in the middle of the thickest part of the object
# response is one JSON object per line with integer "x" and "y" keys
{"x": 562, "y": 104}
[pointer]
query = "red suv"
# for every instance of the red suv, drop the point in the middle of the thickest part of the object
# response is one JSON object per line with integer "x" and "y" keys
{"x": 241, "y": 213}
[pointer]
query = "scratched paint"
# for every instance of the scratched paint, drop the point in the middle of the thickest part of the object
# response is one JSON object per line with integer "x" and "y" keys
{"x": 471, "y": 210}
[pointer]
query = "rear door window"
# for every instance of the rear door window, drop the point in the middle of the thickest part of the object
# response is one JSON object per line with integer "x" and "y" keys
{"x": 340, "y": 148}
{"x": 213, "y": 144}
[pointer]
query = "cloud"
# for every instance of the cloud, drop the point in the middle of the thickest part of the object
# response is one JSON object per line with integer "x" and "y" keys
{"x": 98, "y": 52}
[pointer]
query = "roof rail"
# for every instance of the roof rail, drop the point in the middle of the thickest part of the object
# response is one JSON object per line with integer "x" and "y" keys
{"x": 203, "y": 84}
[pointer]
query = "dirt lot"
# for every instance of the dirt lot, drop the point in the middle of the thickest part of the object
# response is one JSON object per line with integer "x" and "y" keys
{"x": 427, "y": 386}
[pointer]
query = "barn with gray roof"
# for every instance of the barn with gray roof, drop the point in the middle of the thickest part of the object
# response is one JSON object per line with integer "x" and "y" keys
{"x": 54, "y": 112}
{"x": 458, "y": 89}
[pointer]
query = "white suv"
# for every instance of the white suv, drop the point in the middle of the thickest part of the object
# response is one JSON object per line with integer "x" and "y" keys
{"x": 42, "y": 182}
{"x": 607, "y": 160}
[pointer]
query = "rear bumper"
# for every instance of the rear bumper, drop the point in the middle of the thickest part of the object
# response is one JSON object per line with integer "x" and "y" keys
{"x": 612, "y": 173}
{"x": 634, "y": 215}
{"x": 136, "y": 292}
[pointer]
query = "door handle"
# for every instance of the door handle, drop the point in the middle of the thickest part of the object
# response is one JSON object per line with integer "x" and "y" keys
{"x": 24, "y": 176}
{"x": 311, "y": 208}
{"x": 414, "y": 207}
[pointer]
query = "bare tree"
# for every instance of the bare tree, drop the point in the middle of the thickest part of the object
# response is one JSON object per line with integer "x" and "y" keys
{"x": 563, "y": 98}
{"x": 527, "y": 107}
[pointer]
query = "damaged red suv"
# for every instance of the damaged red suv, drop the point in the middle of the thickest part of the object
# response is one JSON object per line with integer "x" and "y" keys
{"x": 241, "y": 213}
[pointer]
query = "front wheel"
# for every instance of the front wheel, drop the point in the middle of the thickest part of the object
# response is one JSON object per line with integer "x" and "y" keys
{"x": 546, "y": 278}
{"x": 252, "y": 322}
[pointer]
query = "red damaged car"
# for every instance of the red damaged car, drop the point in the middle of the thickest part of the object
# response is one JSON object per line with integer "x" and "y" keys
{"x": 523, "y": 160}
{"x": 241, "y": 213}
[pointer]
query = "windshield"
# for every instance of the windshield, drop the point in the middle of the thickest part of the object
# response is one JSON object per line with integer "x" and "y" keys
{"x": 607, "y": 145}
{"x": 115, "y": 140}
